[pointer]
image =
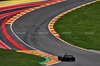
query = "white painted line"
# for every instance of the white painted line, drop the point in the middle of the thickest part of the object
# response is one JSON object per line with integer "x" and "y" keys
{"x": 22, "y": 40}
{"x": 4, "y": 45}
{"x": 59, "y": 38}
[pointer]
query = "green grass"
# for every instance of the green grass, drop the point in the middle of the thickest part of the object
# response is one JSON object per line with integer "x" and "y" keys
{"x": 13, "y": 58}
{"x": 81, "y": 27}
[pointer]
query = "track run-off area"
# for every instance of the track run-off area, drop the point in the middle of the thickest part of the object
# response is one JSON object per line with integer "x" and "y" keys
{"x": 28, "y": 30}
{"x": 19, "y": 10}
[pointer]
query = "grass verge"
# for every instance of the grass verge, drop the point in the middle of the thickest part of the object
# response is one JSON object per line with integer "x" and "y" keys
{"x": 81, "y": 27}
{"x": 12, "y": 58}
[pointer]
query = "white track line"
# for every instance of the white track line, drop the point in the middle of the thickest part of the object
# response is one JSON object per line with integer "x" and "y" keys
{"x": 63, "y": 41}
{"x": 22, "y": 40}
{"x": 48, "y": 28}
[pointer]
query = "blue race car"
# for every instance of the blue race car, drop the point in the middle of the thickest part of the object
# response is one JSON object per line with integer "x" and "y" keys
{"x": 66, "y": 58}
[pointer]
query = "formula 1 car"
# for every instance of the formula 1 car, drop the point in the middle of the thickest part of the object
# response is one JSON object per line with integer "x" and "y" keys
{"x": 66, "y": 58}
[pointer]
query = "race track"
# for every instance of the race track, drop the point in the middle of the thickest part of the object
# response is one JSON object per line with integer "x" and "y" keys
{"x": 32, "y": 29}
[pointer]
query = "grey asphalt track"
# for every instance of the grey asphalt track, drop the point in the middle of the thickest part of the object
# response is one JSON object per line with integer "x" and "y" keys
{"x": 32, "y": 28}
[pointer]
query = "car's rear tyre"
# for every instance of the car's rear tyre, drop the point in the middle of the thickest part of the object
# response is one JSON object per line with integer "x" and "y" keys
{"x": 59, "y": 57}
{"x": 73, "y": 59}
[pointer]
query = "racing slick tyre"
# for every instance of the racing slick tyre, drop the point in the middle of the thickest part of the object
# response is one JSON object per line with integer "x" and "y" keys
{"x": 73, "y": 59}
{"x": 59, "y": 57}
